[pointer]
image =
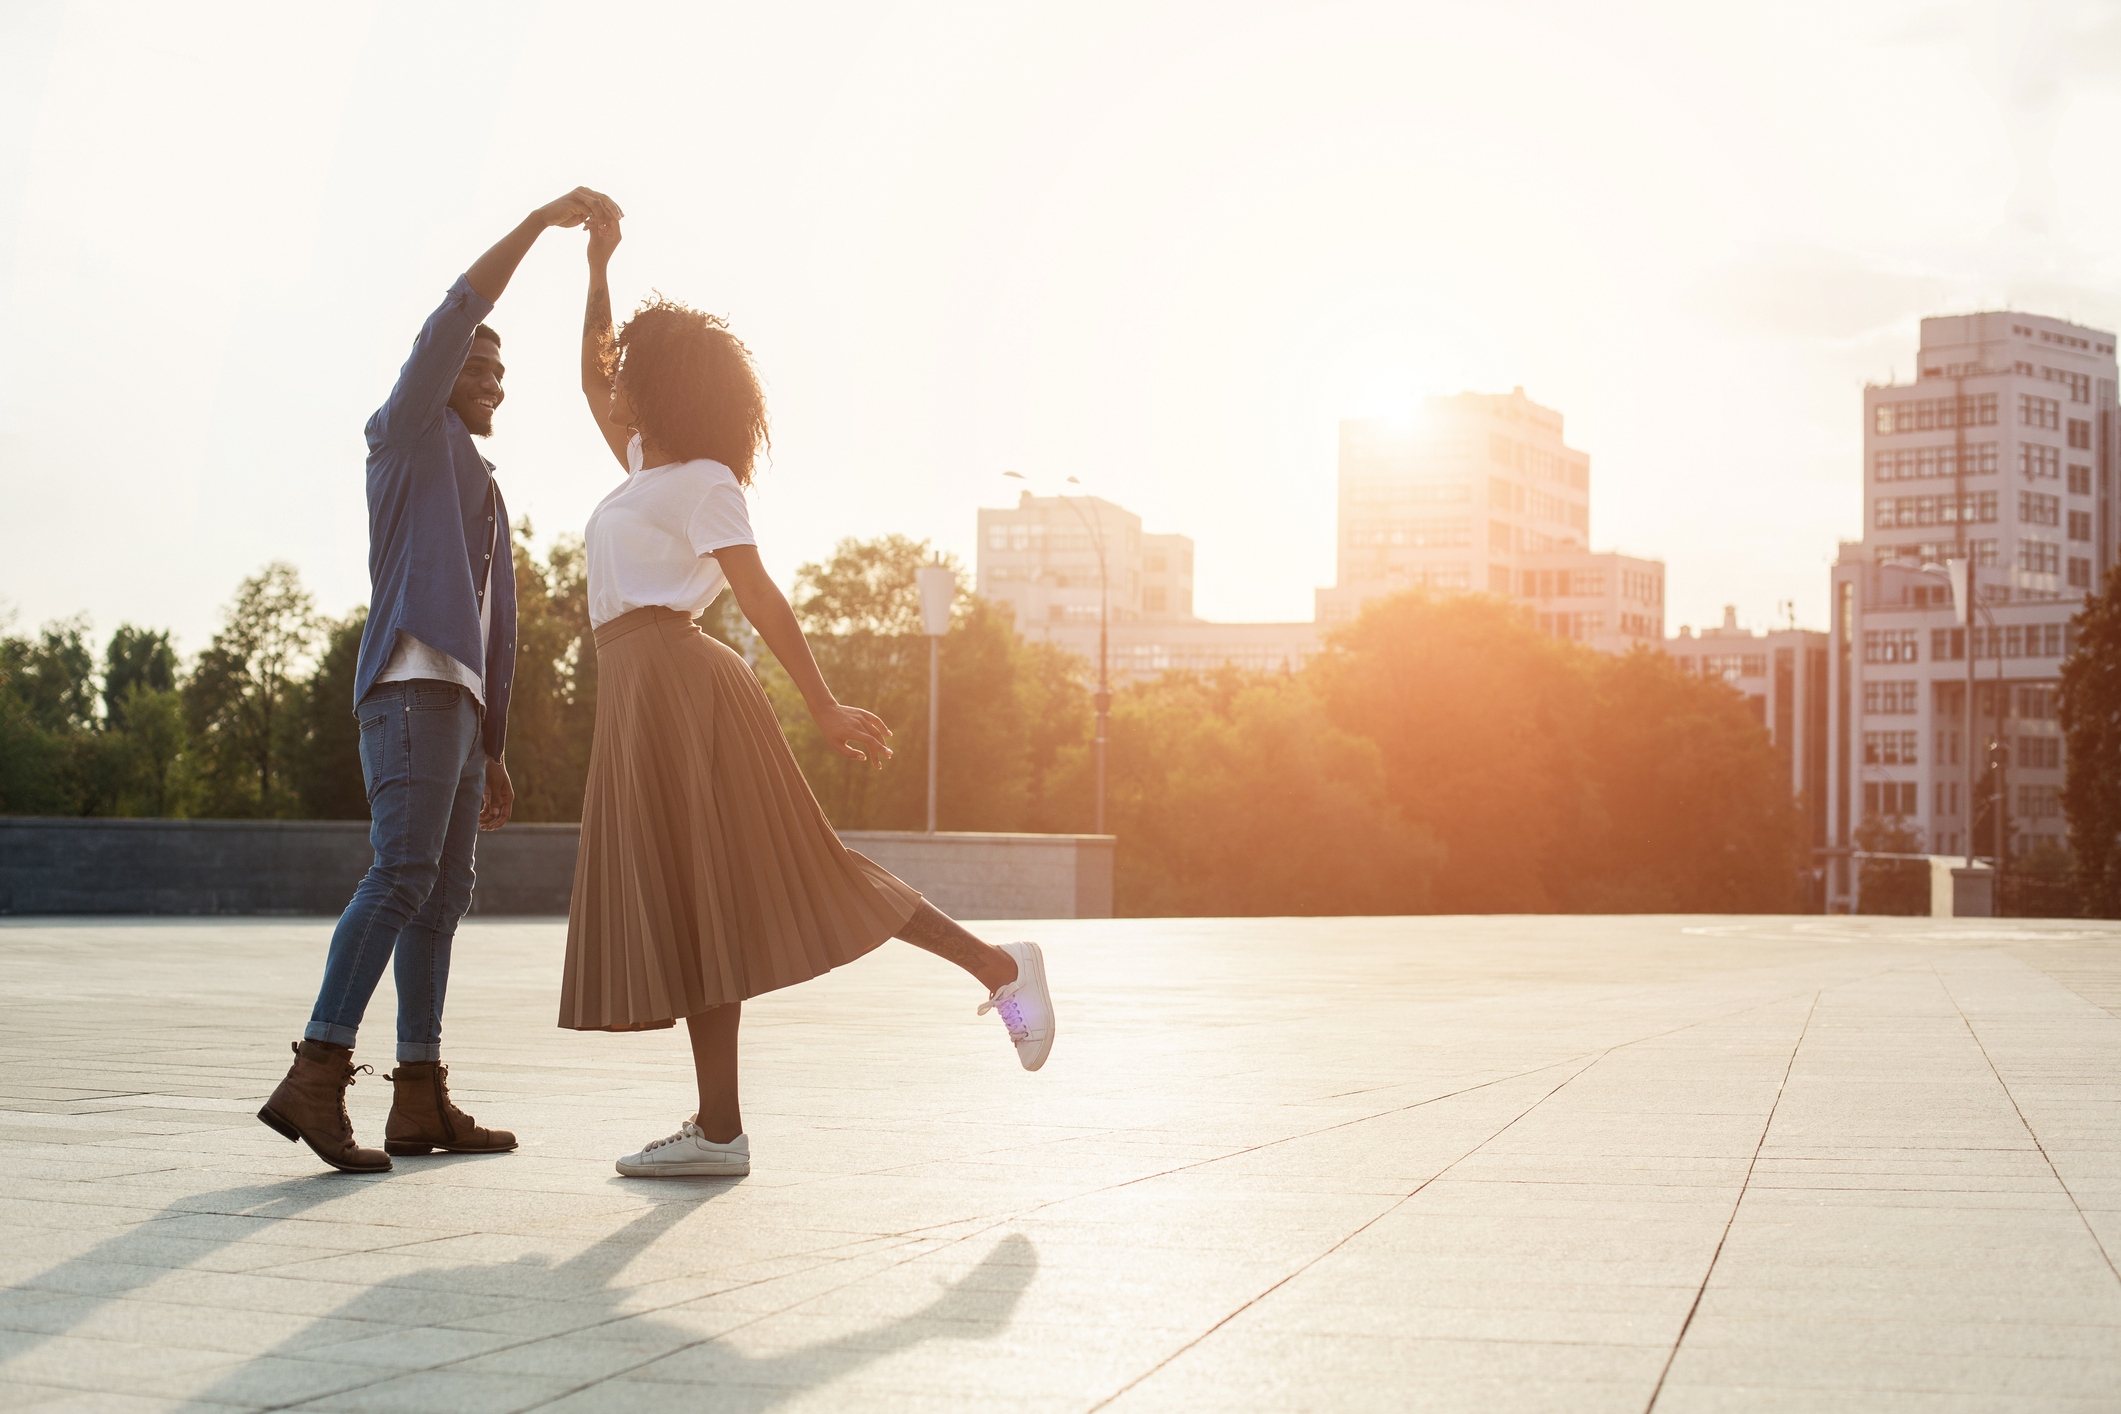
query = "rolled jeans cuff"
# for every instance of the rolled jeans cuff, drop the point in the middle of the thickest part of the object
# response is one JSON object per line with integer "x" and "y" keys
{"x": 419, "y": 1051}
{"x": 331, "y": 1033}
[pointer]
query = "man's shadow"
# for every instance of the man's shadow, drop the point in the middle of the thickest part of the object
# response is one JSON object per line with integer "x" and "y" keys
{"x": 128, "y": 1261}
{"x": 983, "y": 1303}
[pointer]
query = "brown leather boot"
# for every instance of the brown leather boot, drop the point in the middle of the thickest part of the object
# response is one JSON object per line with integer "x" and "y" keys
{"x": 422, "y": 1117}
{"x": 310, "y": 1105}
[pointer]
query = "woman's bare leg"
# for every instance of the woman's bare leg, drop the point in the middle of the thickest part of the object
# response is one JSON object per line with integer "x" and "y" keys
{"x": 932, "y": 930}
{"x": 714, "y": 1063}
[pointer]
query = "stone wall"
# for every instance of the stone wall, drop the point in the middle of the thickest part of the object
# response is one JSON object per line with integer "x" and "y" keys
{"x": 311, "y": 867}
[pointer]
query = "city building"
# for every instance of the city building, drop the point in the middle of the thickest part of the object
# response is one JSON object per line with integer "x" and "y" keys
{"x": 2000, "y": 452}
{"x": 1481, "y": 493}
{"x": 1783, "y": 674}
{"x": 1039, "y": 560}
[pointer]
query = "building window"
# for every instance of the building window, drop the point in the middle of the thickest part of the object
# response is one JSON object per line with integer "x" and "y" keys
{"x": 2080, "y": 434}
{"x": 1159, "y": 564}
{"x": 2039, "y": 802}
{"x": 1414, "y": 534}
{"x": 2080, "y": 481}
{"x": 1890, "y": 645}
{"x": 2080, "y": 573}
{"x": 1947, "y": 645}
{"x": 1927, "y": 414}
{"x": 2080, "y": 525}
{"x": 1153, "y": 599}
{"x": 2036, "y": 509}
{"x": 1890, "y": 698}
{"x": 2038, "y": 753}
{"x": 2034, "y": 460}
{"x": 2035, "y": 411}
{"x": 1891, "y": 511}
{"x": 1892, "y": 749}
{"x": 1888, "y": 797}
{"x": 2039, "y": 556}
{"x": 1730, "y": 666}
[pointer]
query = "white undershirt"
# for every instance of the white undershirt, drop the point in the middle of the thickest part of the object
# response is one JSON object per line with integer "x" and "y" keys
{"x": 652, "y": 540}
{"x": 410, "y": 658}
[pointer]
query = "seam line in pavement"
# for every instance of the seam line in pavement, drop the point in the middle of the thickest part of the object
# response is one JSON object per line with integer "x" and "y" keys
{"x": 1739, "y": 1202}
{"x": 2005, "y": 1085}
{"x": 1394, "y": 1206}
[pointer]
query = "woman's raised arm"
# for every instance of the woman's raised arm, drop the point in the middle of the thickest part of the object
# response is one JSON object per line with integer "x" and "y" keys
{"x": 596, "y": 337}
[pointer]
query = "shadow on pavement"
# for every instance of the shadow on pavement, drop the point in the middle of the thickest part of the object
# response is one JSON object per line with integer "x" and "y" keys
{"x": 120, "y": 1265}
{"x": 983, "y": 1303}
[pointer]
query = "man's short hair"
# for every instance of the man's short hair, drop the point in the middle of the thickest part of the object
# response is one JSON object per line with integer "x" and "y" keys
{"x": 485, "y": 332}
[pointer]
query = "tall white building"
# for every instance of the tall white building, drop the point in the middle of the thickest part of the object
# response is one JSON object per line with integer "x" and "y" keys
{"x": 1039, "y": 560}
{"x": 2001, "y": 452}
{"x": 1482, "y": 493}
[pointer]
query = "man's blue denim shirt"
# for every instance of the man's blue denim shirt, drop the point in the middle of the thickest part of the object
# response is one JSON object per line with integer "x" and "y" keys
{"x": 430, "y": 524}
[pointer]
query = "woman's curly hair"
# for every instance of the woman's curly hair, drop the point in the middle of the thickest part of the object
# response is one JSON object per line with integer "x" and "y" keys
{"x": 690, "y": 382}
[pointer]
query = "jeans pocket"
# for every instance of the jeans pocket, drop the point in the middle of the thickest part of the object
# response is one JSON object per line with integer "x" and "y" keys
{"x": 375, "y": 739}
{"x": 441, "y": 697}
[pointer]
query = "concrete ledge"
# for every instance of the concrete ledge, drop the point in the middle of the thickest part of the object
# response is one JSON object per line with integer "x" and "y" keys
{"x": 311, "y": 867}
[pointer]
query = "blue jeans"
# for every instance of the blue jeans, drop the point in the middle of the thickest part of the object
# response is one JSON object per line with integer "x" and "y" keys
{"x": 425, "y": 766}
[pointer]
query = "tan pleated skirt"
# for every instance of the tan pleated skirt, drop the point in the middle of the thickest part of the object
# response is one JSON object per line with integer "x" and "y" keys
{"x": 707, "y": 872}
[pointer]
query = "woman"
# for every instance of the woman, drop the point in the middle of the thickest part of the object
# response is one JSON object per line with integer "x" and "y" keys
{"x": 707, "y": 872}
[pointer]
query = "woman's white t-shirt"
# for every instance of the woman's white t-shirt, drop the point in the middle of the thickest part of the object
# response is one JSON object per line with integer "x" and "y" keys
{"x": 652, "y": 540}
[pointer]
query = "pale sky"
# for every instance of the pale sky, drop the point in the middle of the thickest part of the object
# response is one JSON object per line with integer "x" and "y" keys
{"x": 1160, "y": 247}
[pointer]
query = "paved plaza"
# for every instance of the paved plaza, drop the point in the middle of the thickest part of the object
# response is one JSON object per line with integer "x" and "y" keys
{"x": 1488, "y": 1164}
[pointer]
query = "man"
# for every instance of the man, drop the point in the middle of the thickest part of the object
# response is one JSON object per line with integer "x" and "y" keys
{"x": 431, "y": 693}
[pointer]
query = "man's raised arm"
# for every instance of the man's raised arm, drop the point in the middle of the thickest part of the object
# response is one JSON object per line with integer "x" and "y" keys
{"x": 424, "y": 383}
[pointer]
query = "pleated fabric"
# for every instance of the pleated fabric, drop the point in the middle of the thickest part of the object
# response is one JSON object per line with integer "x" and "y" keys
{"x": 707, "y": 871}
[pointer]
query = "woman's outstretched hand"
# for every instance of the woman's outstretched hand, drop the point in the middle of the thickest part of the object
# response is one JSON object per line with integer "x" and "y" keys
{"x": 855, "y": 734}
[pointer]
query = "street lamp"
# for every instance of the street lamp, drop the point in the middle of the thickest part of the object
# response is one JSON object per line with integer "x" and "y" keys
{"x": 938, "y": 586}
{"x": 1103, "y": 700}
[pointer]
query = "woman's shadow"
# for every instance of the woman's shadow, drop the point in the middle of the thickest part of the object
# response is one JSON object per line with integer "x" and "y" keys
{"x": 980, "y": 1305}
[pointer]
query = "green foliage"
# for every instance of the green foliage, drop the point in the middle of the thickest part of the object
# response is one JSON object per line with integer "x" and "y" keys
{"x": 1441, "y": 755}
{"x": 2090, "y": 710}
{"x": 135, "y": 658}
{"x": 1558, "y": 779}
{"x": 1236, "y": 794}
{"x": 324, "y": 770}
{"x": 1898, "y": 887}
{"x": 553, "y": 701}
{"x": 244, "y": 698}
{"x": 861, "y": 613}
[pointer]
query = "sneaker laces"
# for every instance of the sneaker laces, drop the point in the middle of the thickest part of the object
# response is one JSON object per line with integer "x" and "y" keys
{"x": 689, "y": 1131}
{"x": 1012, "y": 1012}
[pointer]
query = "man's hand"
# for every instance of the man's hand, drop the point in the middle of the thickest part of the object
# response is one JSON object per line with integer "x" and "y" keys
{"x": 579, "y": 207}
{"x": 843, "y": 727}
{"x": 500, "y": 797}
{"x": 604, "y": 238}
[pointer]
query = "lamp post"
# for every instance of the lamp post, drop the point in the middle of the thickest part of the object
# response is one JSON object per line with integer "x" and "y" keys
{"x": 1102, "y": 701}
{"x": 938, "y": 586}
{"x": 1960, "y": 574}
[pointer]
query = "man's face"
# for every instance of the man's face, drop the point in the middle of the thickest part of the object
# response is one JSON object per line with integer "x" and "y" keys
{"x": 478, "y": 389}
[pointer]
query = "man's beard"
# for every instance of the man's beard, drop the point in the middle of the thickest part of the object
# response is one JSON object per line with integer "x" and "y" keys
{"x": 478, "y": 421}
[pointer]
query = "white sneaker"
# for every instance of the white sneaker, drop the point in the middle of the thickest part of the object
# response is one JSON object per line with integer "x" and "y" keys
{"x": 689, "y": 1154}
{"x": 1026, "y": 1006}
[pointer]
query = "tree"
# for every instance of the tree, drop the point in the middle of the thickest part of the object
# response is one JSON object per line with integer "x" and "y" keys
{"x": 1697, "y": 811}
{"x": 2090, "y": 710}
{"x": 553, "y": 702}
{"x": 1892, "y": 886}
{"x": 135, "y": 658}
{"x": 55, "y": 677}
{"x": 240, "y": 695}
{"x": 324, "y": 768}
{"x": 1478, "y": 719}
{"x": 1235, "y": 794}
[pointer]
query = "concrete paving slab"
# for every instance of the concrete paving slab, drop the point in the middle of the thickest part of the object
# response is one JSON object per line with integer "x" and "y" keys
{"x": 1643, "y": 1164}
